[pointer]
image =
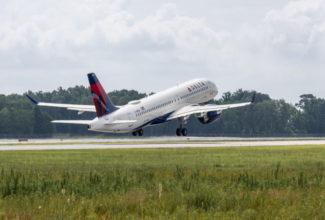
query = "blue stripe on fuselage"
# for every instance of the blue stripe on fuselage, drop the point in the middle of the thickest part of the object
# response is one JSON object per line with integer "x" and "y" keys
{"x": 158, "y": 120}
{"x": 161, "y": 119}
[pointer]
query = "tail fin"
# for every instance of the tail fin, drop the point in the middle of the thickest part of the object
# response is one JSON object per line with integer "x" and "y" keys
{"x": 102, "y": 102}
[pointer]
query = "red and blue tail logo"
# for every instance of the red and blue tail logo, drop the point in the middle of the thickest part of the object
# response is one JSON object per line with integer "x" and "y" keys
{"x": 102, "y": 102}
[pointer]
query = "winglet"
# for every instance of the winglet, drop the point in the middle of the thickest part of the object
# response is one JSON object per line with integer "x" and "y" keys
{"x": 254, "y": 98}
{"x": 32, "y": 99}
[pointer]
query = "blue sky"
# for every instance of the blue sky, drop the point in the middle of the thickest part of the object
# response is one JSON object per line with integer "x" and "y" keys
{"x": 276, "y": 47}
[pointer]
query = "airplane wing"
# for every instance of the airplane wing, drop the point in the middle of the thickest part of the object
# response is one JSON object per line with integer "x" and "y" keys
{"x": 196, "y": 109}
{"x": 73, "y": 107}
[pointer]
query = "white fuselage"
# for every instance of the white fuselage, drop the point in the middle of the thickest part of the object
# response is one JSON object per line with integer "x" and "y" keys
{"x": 155, "y": 108}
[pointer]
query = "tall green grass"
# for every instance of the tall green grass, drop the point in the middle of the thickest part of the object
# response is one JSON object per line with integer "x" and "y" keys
{"x": 209, "y": 183}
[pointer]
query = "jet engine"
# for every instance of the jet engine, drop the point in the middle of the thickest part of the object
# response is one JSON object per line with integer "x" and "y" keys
{"x": 208, "y": 117}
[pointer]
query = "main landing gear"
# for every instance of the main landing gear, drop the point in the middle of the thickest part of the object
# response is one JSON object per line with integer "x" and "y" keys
{"x": 138, "y": 132}
{"x": 182, "y": 131}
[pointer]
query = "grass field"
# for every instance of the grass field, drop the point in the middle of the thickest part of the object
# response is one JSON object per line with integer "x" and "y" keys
{"x": 205, "y": 183}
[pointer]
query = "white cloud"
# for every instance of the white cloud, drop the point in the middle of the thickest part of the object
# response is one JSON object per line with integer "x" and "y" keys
{"x": 298, "y": 28}
{"x": 283, "y": 54}
{"x": 77, "y": 36}
{"x": 70, "y": 30}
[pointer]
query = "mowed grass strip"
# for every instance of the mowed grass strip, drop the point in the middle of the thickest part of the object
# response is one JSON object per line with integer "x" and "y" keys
{"x": 194, "y": 183}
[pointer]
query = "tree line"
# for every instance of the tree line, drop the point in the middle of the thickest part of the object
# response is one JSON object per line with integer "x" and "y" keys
{"x": 268, "y": 117}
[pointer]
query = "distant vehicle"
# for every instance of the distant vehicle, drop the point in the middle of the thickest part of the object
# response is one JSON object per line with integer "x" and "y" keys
{"x": 179, "y": 102}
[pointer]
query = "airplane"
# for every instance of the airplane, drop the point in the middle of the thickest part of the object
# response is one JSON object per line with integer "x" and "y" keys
{"x": 179, "y": 102}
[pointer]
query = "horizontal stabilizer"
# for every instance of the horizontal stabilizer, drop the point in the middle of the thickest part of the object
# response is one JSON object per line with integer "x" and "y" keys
{"x": 76, "y": 122}
{"x": 121, "y": 122}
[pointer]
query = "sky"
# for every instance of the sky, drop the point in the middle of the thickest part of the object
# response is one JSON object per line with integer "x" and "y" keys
{"x": 275, "y": 47}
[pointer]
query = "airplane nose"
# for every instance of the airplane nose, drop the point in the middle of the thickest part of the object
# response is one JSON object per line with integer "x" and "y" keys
{"x": 214, "y": 87}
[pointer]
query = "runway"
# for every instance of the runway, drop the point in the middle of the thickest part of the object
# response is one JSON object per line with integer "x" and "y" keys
{"x": 160, "y": 142}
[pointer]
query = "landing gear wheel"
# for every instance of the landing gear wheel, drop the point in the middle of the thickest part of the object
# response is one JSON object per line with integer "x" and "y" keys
{"x": 184, "y": 132}
{"x": 134, "y": 133}
{"x": 140, "y": 132}
{"x": 178, "y": 132}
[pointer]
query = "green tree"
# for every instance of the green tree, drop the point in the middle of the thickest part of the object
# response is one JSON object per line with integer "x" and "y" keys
{"x": 41, "y": 122}
{"x": 18, "y": 116}
{"x": 311, "y": 118}
{"x": 5, "y": 121}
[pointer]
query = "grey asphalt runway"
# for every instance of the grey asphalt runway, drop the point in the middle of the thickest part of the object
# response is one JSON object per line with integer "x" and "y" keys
{"x": 161, "y": 142}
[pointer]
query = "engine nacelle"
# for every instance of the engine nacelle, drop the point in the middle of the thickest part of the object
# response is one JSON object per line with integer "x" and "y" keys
{"x": 209, "y": 117}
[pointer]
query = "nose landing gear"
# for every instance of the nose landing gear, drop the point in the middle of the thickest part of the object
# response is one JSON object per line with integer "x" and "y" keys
{"x": 138, "y": 132}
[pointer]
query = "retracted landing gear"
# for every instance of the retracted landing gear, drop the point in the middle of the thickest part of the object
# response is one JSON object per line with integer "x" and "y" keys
{"x": 138, "y": 132}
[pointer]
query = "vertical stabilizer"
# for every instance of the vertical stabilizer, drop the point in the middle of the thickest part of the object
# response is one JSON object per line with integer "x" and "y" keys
{"x": 102, "y": 102}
